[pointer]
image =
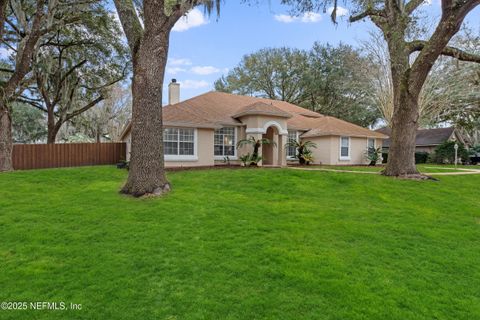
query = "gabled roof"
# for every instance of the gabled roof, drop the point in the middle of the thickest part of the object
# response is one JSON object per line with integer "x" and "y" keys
{"x": 217, "y": 109}
{"x": 261, "y": 108}
{"x": 330, "y": 126}
{"x": 425, "y": 137}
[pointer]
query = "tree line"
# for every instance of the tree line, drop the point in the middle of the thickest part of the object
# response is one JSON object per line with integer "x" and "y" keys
{"x": 327, "y": 79}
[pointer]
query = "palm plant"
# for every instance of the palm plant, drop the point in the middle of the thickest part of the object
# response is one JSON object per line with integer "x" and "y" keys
{"x": 304, "y": 154}
{"x": 373, "y": 155}
{"x": 256, "y": 143}
{"x": 245, "y": 159}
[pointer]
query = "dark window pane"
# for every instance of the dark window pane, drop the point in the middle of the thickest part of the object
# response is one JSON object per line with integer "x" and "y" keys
{"x": 186, "y": 148}
{"x": 170, "y": 148}
{"x": 218, "y": 150}
{"x": 229, "y": 151}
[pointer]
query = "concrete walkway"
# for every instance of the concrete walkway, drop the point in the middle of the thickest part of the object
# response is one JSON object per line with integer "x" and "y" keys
{"x": 456, "y": 173}
{"x": 460, "y": 171}
{"x": 333, "y": 170}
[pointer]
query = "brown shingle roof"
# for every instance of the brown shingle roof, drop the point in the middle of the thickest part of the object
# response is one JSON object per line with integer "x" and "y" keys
{"x": 217, "y": 109}
{"x": 330, "y": 126}
{"x": 261, "y": 108}
{"x": 425, "y": 137}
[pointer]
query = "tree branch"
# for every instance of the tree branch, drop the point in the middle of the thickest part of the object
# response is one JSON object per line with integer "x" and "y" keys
{"x": 456, "y": 53}
{"x": 130, "y": 23}
{"x": 90, "y": 105}
{"x": 24, "y": 55}
{"x": 3, "y": 16}
{"x": 175, "y": 16}
{"x": 413, "y": 5}
{"x": 6, "y": 70}
{"x": 14, "y": 27}
{"x": 110, "y": 83}
{"x": 367, "y": 13}
{"x": 32, "y": 103}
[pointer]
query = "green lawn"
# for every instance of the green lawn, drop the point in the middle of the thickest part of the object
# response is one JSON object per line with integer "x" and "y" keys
{"x": 424, "y": 168}
{"x": 241, "y": 244}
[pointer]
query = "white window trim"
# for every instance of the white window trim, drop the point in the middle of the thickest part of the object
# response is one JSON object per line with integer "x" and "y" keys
{"x": 298, "y": 139}
{"x": 194, "y": 157}
{"x": 235, "y": 155}
{"x": 340, "y": 149}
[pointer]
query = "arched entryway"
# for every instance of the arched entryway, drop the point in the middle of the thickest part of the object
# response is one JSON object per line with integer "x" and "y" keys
{"x": 272, "y": 154}
{"x": 268, "y": 150}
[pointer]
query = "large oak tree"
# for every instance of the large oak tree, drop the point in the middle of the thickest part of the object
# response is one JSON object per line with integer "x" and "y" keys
{"x": 24, "y": 24}
{"x": 32, "y": 19}
{"x": 147, "y": 25}
{"x": 410, "y": 61}
{"x": 75, "y": 67}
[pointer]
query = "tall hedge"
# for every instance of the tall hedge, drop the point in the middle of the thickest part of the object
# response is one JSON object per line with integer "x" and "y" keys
{"x": 421, "y": 157}
{"x": 445, "y": 153}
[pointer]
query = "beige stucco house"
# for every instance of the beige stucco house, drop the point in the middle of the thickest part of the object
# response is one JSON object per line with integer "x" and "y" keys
{"x": 204, "y": 131}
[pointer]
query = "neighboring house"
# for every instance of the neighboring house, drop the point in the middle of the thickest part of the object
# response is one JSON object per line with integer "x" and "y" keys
{"x": 427, "y": 139}
{"x": 204, "y": 130}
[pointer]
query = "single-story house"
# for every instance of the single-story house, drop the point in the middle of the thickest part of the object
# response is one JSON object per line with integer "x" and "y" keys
{"x": 204, "y": 131}
{"x": 427, "y": 139}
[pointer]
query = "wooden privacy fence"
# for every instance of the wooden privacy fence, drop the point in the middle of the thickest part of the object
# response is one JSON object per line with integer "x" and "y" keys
{"x": 37, "y": 156}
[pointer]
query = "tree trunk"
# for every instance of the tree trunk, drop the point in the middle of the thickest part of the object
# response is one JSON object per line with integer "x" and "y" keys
{"x": 52, "y": 129}
{"x": 401, "y": 153}
{"x": 51, "y": 135}
{"x": 6, "y": 146}
{"x": 147, "y": 172}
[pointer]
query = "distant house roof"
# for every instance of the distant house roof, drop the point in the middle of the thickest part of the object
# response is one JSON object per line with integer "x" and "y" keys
{"x": 218, "y": 109}
{"x": 425, "y": 137}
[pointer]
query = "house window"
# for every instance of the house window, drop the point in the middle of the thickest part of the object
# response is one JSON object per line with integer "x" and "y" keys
{"x": 370, "y": 143}
{"x": 224, "y": 142}
{"x": 179, "y": 141}
{"x": 291, "y": 150}
{"x": 345, "y": 148}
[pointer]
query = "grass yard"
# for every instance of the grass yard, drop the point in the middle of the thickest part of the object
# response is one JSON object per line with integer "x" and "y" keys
{"x": 423, "y": 168}
{"x": 241, "y": 244}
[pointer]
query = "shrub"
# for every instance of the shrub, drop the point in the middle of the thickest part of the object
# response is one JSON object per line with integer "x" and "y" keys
{"x": 123, "y": 165}
{"x": 421, "y": 157}
{"x": 245, "y": 159}
{"x": 385, "y": 157}
{"x": 475, "y": 151}
{"x": 304, "y": 154}
{"x": 250, "y": 159}
{"x": 255, "y": 158}
{"x": 373, "y": 155}
{"x": 445, "y": 153}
